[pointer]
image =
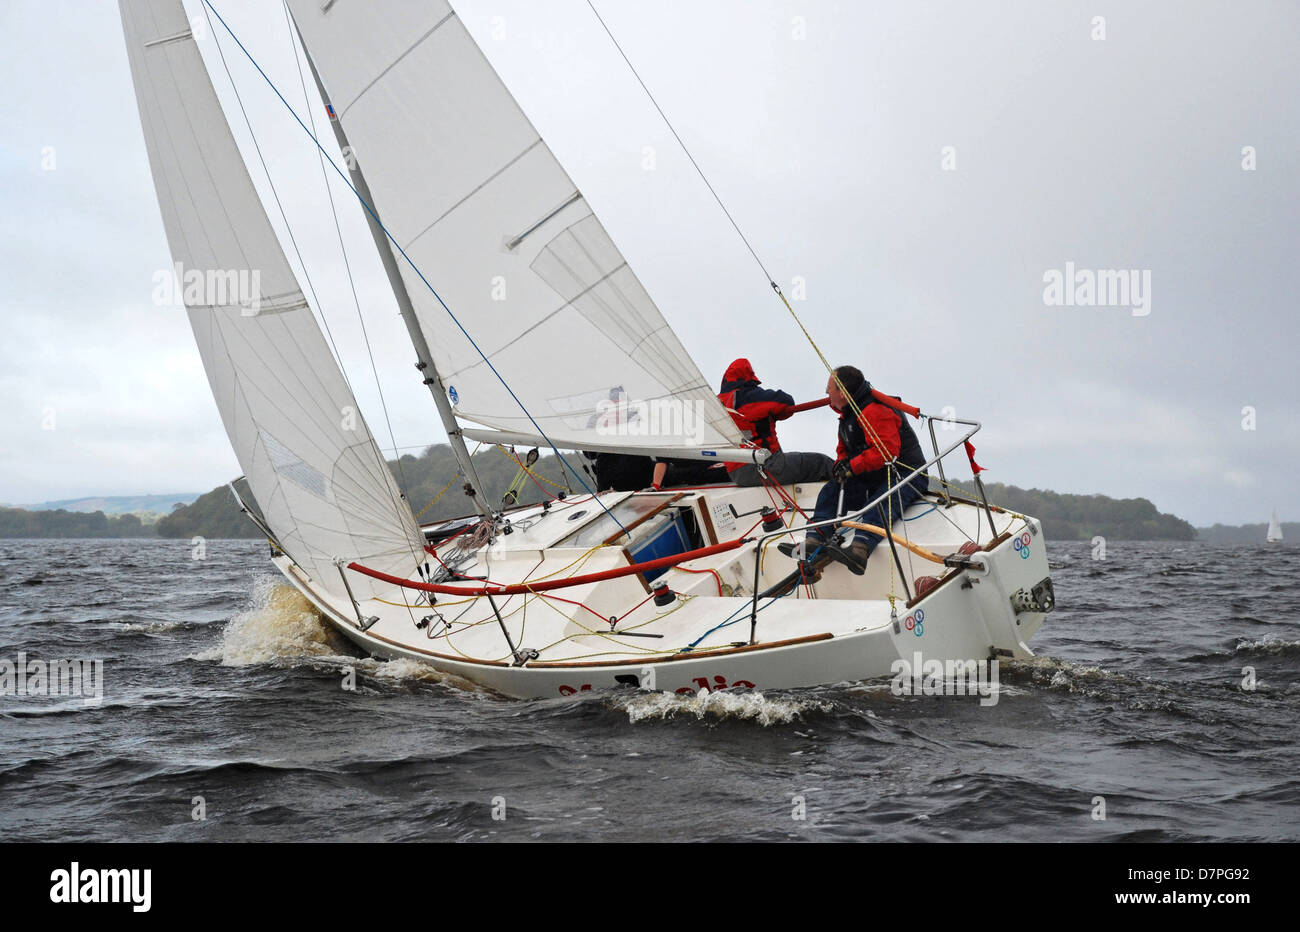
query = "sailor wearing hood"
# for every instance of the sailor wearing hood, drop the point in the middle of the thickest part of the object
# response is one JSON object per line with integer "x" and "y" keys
{"x": 756, "y": 411}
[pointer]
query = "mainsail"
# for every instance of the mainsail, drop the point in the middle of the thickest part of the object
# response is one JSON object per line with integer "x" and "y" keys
{"x": 312, "y": 465}
{"x": 475, "y": 198}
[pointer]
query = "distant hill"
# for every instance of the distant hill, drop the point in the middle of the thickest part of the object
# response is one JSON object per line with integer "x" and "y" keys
{"x": 1064, "y": 517}
{"x": 119, "y": 504}
{"x": 422, "y": 478}
{"x": 1245, "y": 533}
{"x": 1082, "y": 517}
{"x": 215, "y": 514}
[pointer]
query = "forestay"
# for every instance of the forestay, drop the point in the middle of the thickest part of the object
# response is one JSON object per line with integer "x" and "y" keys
{"x": 476, "y": 199}
{"x": 312, "y": 465}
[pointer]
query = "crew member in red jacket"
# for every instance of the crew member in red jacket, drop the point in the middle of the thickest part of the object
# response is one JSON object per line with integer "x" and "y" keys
{"x": 756, "y": 411}
{"x": 876, "y": 449}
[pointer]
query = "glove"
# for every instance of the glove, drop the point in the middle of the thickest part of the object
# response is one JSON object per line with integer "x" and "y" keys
{"x": 841, "y": 471}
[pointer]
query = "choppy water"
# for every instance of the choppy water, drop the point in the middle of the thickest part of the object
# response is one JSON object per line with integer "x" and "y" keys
{"x": 221, "y": 684}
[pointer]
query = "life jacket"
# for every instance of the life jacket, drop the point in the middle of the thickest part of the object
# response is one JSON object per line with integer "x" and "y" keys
{"x": 854, "y": 439}
{"x": 752, "y": 408}
{"x": 758, "y": 432}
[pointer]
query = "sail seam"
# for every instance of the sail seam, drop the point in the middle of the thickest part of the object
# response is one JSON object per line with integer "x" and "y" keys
{"x": 572, "y": 198}
{"x": 686, "y": 391}
{"x": 167, "y": 40}
{"x": 393, "y": 240}
{"x": 567, "y": 304}
{"x": 483, "y": 184}
{"x": 418, "y": 42}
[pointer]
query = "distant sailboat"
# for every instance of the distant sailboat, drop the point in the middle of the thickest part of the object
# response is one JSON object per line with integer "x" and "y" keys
{"x": 1274, "y": 530}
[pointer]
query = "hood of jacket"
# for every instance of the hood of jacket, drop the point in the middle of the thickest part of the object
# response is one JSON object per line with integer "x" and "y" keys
{"x": 739, "y": 371}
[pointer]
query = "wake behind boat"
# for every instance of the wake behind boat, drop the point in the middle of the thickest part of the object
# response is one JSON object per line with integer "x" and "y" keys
{"x": 680, "y": 590}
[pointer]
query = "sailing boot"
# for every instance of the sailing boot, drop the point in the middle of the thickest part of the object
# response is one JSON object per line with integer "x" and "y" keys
{"x": 821, "y": 549}
{"x": 861, "y": 553}
{"x": 854, "y": 557}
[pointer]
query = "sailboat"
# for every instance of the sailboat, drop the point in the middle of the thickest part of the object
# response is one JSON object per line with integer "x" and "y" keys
{"x": 681, "y": 590}
{"x": 1274, "y": 530}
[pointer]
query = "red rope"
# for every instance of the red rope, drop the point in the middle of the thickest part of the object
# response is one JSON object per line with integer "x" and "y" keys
{"x": 558, "y": 598}
{"x": 636, "y": 606}
{"x": 432, "y": 550}
{"x": 548, "y": 584}
{"x": 789, "y": 498}
{"x": 714, "y": 572}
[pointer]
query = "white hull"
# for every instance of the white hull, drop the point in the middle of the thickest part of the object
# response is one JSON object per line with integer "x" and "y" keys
{"x": 840, "y": 630}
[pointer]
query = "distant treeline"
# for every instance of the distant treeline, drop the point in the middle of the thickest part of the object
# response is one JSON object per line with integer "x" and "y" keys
{"x": 422, "y": 478}
{"x": 1083, "y": 517}
{"x": 1245, "y": 533}
{"x": 18, "y": 522}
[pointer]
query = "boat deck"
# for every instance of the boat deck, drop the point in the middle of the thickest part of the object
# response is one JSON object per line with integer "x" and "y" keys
{"x": 712, "y": 606}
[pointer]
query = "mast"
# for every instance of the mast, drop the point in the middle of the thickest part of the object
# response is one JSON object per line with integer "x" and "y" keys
{"x": 468, "y": 185}
{"x": 473, "y": 486}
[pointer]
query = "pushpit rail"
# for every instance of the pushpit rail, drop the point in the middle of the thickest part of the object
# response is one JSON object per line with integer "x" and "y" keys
{"x": 973, "y": 426}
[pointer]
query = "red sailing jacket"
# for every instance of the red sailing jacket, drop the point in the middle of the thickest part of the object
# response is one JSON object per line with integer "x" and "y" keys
{"x": 755, "y": 410}
{"x": 878, "y": 436}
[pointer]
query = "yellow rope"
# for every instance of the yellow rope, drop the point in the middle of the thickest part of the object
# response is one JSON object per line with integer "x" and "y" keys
{"x": 436, "y": 497}
{"x": 444, "y": 490}
{"x": 529, "y": 471}
{"x": 852, "y": 402}
{"x": 440, "y": 605}
{"x": 580, "y": 560}
{"x": 588, "y": 632}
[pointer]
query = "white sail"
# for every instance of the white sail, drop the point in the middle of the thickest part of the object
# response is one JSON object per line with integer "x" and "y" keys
{"x": 475, "y": 198}
{"x": 1274, "y": 530}
{"x": 312, "y": 465}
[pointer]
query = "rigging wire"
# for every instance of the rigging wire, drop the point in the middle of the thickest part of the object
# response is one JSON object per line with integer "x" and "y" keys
{"x": 402, "y": 252}
{"x": 770, "y": 280}
{"x": 343, "y": 249}
{"x": 687, "y": 151}
{"x": 297, "y": 251}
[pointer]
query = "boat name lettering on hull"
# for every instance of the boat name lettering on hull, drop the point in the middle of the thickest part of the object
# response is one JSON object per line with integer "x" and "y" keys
{"x": 701, "y": 684}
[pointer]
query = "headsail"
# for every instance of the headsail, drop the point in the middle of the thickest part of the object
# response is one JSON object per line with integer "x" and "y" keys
{"x": 318, "y": 477}
{"x": 476, "y": 199}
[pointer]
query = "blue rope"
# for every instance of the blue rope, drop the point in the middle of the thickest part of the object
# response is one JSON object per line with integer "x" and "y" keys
{"x": 732, "y": 619}
{"x": 412, "y": 264}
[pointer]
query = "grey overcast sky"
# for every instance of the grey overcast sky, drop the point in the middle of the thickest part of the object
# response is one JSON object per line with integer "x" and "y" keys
{"x": 824, "y": 126}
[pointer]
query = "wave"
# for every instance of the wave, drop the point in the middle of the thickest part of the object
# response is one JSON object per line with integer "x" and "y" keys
{"x": 1269, "y": 645}
{"x": 1091, "y": 682}
{"x": 280, "y": 625}
{"x": 739, "y": 706}
{"x": 151, "y": 627}
{"x": 283, "y": 629}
